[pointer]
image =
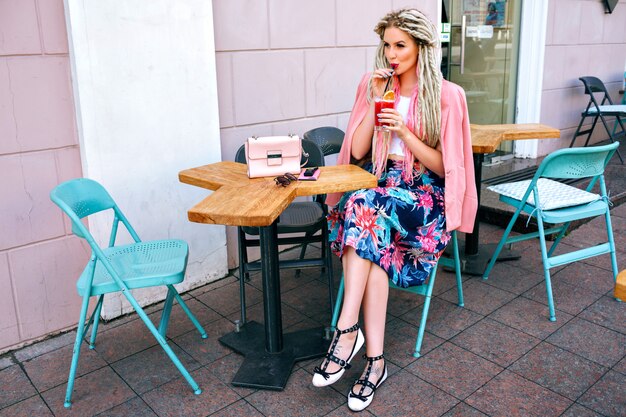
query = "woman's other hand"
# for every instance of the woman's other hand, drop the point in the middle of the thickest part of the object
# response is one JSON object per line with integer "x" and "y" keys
{"x": 394, "y": 122}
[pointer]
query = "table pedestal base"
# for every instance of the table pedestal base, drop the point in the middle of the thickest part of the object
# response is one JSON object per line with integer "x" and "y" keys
{"x": 263, "y": 370}
{"x": 476, "y": 264}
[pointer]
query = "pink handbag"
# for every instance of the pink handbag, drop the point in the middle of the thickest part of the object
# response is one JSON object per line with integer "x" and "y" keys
{"x": 271, "y": 156}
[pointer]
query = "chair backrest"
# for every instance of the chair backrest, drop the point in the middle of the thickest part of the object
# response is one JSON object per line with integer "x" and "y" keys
{"x": 315, "y": 158}
{"x": 82, "y": 197}
{"x": 328, "y": 138}
{"x": 595, "y": 85}
{"x": 583, "y": 162}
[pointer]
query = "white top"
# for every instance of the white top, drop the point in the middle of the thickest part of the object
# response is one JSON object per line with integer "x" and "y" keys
{"x": 396, "y": 147}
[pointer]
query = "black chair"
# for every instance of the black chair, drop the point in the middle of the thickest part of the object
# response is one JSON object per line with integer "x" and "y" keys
{"x": 601, "y": 111}
{"x": 328, "y": 138}
{"x": 308, "y": 217}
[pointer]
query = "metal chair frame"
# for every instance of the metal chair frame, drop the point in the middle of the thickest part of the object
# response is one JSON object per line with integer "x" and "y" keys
{"x": 601, "y": 110}
{"x": 114, "y": 269}
{"x": 588, "y": 162}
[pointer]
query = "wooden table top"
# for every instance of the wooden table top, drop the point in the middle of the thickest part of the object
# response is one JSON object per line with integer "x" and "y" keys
{"x": 487, "y": 138}
{"x": 240, "y": 201}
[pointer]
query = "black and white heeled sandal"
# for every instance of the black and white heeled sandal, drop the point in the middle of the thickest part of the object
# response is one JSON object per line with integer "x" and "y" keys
{"x": 321, "y": 377}
{"x": 358, "y": 401}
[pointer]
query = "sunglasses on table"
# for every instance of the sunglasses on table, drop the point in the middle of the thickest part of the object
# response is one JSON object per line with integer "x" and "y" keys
{"x": 285, "y": 179}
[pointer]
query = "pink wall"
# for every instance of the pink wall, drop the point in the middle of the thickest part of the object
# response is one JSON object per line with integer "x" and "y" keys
{"x": 39, "y": 261}
{"x": 581, "y": 40}
{"x": 287, "y": 66}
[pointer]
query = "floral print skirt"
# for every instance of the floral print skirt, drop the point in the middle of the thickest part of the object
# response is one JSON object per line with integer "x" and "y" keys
{"x": 398, "y": 226}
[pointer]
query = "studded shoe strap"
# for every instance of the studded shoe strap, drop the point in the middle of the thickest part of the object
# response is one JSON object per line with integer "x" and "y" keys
{"x": 365, "y": 382}
{"x": 330, "y": 357}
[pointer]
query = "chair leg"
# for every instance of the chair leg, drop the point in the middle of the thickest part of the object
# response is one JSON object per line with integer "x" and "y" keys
{"x": 165, "y": 314}
{"x": 501, "y": 244}
{"x": 166, "y": 347}
{"x": 580, "y": 124}
{"x": 546, "y": 270}
{"x": 338, "y": 302}
{"x": 608, "y": 131}
{"x": 80, "y": 330}
{"x": 457, "y": 269}
{"x": 609, "y": 233}
{"x": 558, "y": 239}
{"x": 425, "y": 308}
{"x": 188, "y": 312}
{"x": 96, "y": 321}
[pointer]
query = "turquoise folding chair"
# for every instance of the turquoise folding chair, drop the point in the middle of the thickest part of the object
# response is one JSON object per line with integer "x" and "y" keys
{"x": 121, "y": 268}
{"x": 588, "y": 162}
{"x": 425, "y": 290}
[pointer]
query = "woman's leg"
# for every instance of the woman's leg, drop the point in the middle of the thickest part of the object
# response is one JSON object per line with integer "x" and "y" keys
{"x": 355, "y": 275}
{"x": 374, "y": 318}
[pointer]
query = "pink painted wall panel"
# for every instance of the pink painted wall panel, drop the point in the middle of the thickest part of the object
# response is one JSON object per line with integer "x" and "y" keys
{"x": 44, "y": 277}
{"x": 9, "y": 334}
{"x": 18, "y": 27}
{"x": 566, "y": 27}
{"x": 240, "y": 24}
{"x": 429, "y": 7}
{"x": 332, "y": 76}
{"x": 355, "y": 23}
{"x": 301, "y": 24}
{"x": 594, "y": 17}
{"x": 52, "y": 18}
{"x": 41, "y": 104}
{"x": 268, "y": 86}
{"x": 28, "y": 215}
{"x": 615, "y": 25}
{"x": 223, "y": 62}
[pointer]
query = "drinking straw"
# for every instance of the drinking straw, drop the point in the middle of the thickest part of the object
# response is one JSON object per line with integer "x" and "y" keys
{"x": 393, "y": 69}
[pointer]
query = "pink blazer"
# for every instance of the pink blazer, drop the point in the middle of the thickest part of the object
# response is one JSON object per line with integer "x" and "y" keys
{"x": 456, "y": 145}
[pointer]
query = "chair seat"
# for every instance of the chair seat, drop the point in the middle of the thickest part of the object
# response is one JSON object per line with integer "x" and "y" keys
{"x": 609, "y": 110}
{"x": 143, "y": 264}
{"x": 565, "y": 214}
{"x": 305, "y": 216}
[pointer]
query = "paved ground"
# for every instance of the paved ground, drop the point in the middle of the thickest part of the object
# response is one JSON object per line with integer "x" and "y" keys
{"x": 498, "y": 356}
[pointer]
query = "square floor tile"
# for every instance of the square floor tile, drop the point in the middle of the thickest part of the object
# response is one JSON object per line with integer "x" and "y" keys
{"x": 400, "y": 338}
{"x": 206, "y": 350}
{"x": 290, "y": 316}
{"x": 621, "y": 366}
{"x": 239, "y": 409}
{"x": 135, "y": 408}
{"x": 214, "y": 285}
{"x": 93, "y": 393}
{"x": 176, "y": 398}
{"x": 480, "y": 297}
{"x": 590, "y": 341}
{"x": 404, "y": 394}
{"x": 304, "y": 399}
{"x": 51, "y": 369}
{"x": 152, "y": 367}
{"x": 607, "y": 312}
{"x": 577, "y": 410}
{"x": 512, "y": 279}
{"x": 401, "y": 301}
{"x": 446, "y": 280}
{"x": 495, "y": 341}
{"x": 511, "y": 395}
{"x": 569, "y": 298}
{"x": 454, "y": 370}
{"x": 608, "y": 396}
{"x": 5, "y": 362}
{"x": 45, "y": 346}
{"x": 34, "y": 406}
{"x": 225, "y": 300}
{"x": 310, "y": 299}
{"x": 226, "y": 368}
{"x": 464, "y": 410}
{"x": 561, "y": 371}
{"x": 586, "y": 276}
{"x": 179, "y": 321}
{"x": 445, "y": 319}
{"x": 343, "y": 411}
{"x": 124, "y": 340}
{"x": 15, "y": 386}
{"x": 530, "y": 317}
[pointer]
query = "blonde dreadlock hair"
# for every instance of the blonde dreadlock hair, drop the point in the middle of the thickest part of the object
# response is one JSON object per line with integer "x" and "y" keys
{"x": 425, "y": 108}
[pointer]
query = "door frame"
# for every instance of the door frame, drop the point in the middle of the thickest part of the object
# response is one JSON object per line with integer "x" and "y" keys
{"x": 533, "y": 28}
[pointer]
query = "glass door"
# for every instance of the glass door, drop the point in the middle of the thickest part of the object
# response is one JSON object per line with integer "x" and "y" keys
{"x": 481, "y": 56}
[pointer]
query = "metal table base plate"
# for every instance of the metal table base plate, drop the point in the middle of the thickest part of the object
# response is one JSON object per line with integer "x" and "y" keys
{"x": 263, "y": 370}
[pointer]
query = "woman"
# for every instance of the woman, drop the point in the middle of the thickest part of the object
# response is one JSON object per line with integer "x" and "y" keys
{"x": 398, "y": 230}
